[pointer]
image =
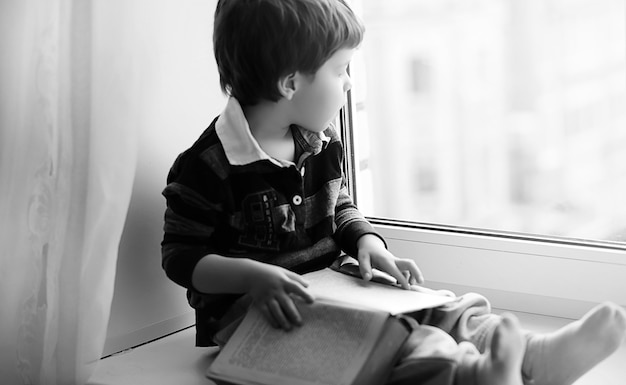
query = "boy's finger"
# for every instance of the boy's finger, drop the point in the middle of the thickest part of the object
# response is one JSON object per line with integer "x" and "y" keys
{"x": 409, "y": 264}
{"x": 365, "y": 266}
{"x": 290, "y": 310}
{"x": 299, "y": 278}
{"x": 395, "y": 272}
{"x": 410, "y": 278}
{"x": 264, "y": 309}
{"x": 277, "y": 312}
{"x": 297, "y": 289}
{"x": 417, "y": 273}
{"x": 402, "y": 281}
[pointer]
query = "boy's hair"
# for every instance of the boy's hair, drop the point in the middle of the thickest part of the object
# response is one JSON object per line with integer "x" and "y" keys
{"x": 256, "y": 42}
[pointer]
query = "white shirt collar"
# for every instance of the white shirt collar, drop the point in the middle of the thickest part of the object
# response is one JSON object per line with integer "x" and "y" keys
{"x": 241, "y": 147}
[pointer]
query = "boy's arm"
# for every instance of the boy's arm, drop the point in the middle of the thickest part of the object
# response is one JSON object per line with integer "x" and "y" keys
{"x": 358, "y": 238}
{"x": 270, "y": 287}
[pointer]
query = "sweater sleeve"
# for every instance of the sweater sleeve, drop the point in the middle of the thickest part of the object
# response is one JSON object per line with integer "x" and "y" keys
{"x": 351, "y": 224}
{"x": 191, "y": 218}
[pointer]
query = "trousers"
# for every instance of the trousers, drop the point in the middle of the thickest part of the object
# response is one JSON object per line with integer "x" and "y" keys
{"x": 445, "y": 343}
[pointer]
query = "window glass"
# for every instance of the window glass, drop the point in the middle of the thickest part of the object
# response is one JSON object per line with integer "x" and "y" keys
{"x": 493, "y": 114}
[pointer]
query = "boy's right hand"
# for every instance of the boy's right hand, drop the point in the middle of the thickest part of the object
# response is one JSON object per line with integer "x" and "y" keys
{"x": 272, "y": 289}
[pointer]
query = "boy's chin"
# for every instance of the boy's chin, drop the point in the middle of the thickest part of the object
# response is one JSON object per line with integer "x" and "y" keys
{"x": 318, "y": 126}
{"x": 316, "y": 129}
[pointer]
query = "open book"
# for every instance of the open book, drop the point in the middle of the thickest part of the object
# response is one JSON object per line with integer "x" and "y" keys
{"x": 349, "y": 336}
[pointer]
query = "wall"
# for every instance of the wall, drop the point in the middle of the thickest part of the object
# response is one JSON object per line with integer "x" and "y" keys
{"x": 171, "y": 84}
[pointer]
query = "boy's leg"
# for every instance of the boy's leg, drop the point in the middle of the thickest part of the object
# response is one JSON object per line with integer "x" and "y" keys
{"x": 557, "y": 358}
{"x": 468, "y": 318}
{"x": 561, "y": 357}
{"x": 432, "y": 357}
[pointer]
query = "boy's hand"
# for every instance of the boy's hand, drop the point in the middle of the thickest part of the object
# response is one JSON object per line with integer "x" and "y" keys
{"x": 372, "y": 253}
{"x": 272, "y": 288}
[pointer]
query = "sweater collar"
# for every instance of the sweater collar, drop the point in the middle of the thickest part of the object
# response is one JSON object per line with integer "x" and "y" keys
{"x": 241, "y": 147}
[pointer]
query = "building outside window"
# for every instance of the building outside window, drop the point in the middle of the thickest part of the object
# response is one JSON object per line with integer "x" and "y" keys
{"x": 499, "y": 115}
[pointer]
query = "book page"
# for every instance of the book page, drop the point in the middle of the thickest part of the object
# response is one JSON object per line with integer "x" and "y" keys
{"x": 328, "y": 283}
{"x": 329, "y": 348}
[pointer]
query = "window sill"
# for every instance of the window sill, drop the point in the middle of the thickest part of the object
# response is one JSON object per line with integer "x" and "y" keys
{"x": 557, "y": 280}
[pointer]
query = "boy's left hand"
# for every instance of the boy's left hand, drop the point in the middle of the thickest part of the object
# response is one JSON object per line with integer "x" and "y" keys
{"x": 372, "y": 253}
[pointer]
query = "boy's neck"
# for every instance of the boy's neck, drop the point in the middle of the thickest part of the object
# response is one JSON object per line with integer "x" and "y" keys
{"x": 267, "y": 120}
{"x": 270, "y": 127}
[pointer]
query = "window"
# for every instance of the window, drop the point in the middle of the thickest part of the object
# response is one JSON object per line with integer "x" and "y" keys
{"x": 497, "y": 115}
{"x": 488, "y": 141}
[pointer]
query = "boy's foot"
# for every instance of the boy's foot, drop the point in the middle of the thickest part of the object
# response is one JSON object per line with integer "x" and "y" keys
{"x": 561, "y": 357}
{"x": 501, "y": 364}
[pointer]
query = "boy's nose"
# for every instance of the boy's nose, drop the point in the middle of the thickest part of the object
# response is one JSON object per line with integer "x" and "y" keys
{"x": 347, "y": 84}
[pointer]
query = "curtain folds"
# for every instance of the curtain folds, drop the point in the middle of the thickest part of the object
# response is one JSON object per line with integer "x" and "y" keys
{"x": 65, "y": 182}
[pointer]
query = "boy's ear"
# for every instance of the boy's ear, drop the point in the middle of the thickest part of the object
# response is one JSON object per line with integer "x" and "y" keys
{"x": 287, "y": 85}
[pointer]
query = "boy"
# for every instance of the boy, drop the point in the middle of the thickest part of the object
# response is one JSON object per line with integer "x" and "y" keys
{"x": 260, "y": 199}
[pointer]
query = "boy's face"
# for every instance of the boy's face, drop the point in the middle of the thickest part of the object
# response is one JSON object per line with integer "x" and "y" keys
{"x": 318, "y": 99}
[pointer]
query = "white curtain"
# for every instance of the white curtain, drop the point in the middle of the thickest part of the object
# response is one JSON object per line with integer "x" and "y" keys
{"x": 67, "y": 161}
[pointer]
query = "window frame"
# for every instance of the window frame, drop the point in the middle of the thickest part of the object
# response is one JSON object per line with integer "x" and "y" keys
{"x": 551, "y": 276}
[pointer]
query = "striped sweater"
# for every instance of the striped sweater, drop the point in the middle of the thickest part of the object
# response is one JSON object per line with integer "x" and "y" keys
{"x": 226, "y": 196}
